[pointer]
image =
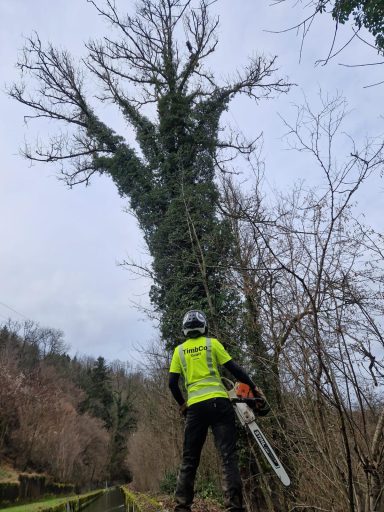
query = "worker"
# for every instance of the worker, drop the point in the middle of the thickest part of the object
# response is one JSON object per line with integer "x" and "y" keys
{"x": 207, "y": 405}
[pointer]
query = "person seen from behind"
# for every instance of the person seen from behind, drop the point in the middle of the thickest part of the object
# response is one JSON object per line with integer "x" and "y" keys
{"x": 207, "y": 405}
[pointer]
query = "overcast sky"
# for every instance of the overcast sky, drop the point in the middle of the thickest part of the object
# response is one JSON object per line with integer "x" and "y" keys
{"x": 60, "y": 248}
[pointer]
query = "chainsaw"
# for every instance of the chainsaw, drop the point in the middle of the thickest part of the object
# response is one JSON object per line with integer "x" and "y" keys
{"x": 246, "y": 407}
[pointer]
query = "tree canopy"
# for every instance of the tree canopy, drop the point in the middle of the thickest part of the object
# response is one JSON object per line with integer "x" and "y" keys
{"x": 368, "y": 14}
{"x": 159, "y": 81}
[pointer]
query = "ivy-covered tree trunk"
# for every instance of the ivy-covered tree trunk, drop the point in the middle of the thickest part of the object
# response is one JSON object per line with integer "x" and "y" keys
{"x": 170, "y": 178}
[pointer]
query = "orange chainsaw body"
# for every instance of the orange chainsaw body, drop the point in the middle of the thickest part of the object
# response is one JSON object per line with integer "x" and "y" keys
{"x": 243, "y": 390}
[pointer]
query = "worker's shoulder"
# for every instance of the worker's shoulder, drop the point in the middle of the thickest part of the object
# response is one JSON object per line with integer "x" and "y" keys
{"x": 215, "y": 341}
{"x": 218, "y": 345}
{"x": 195, "y": 341}
{"x": 198, "y": 341}
{"x": 176, "y": 348}
{"x": 186, "y": 343}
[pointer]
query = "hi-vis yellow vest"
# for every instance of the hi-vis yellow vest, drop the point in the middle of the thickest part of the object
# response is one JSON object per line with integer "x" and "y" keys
{"x": 198, "y": 359}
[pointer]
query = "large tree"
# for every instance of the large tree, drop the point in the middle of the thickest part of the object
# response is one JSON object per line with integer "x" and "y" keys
{"x": 153, "y": 58}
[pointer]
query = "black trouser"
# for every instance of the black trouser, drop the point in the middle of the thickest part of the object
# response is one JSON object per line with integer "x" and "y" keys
{"x": 218, "y": 414}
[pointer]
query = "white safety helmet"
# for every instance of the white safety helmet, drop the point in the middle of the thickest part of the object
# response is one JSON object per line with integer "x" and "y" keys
{"x": 194, "y": 323}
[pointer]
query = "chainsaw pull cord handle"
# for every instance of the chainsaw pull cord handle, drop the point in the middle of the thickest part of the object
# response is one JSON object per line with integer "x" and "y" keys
{"x": 228, "y": 381}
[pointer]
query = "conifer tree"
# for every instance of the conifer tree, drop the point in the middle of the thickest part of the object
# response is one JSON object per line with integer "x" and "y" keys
{"x": 99, "y": 399}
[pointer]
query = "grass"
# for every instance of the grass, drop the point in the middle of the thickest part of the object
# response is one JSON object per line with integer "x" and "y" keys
{"x": 35, "y": 507}
{"x": 47, "y": 503}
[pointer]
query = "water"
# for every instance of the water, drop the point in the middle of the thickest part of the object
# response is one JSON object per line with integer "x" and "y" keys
{"x": 111, "y": 501}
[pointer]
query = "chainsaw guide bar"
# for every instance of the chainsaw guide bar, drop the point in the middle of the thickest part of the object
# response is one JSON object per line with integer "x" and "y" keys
{"x": 248, "y": 419}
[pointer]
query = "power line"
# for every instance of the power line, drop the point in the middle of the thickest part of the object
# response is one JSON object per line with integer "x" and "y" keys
{"x": 14, "y": 310}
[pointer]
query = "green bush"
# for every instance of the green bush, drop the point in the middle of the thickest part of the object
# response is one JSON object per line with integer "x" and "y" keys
{"x": 168, "y": 483}
{"x": 206, "y": 487}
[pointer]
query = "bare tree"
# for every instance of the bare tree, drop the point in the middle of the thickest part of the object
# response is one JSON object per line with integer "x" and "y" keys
{"x": 315, "y": 275}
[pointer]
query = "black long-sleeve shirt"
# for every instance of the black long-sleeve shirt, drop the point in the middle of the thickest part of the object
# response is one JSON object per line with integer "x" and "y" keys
{"x": 231, "y": 366}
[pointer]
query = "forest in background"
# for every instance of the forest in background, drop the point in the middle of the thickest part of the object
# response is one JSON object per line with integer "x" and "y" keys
{"x": 292, "y": 281}
{"x": 66, "y": 417}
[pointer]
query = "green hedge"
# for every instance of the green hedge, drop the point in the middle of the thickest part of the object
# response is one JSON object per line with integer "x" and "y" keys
{"x": 9, "y": 492}
{"x": 57, "y": 488}
{"x": 31, "y": 486}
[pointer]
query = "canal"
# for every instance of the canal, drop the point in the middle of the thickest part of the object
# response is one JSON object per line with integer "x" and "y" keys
{"x": 112, "y": 500}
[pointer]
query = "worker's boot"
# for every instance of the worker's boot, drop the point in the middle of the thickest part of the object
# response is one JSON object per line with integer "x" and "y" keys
{"x": 233, "y": 502}
{"x": 182, "y": 505}
{"x": 185, "y": 483}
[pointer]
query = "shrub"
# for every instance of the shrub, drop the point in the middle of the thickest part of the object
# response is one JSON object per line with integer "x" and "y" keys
{"x": 206, "y": 487}
{"x": 168, "y": 483}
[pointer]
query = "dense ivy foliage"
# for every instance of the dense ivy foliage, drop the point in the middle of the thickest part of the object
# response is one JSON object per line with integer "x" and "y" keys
{"x": 169, "y": 175}
{"x": 366, "y": 13}
{"x": 174, "y": 195}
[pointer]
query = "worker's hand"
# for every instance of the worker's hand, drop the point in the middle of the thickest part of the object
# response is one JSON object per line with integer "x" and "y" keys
{"x": 257, "y": 392}
{"x": 183, "y": 409}
{"x": 261, "y": 406}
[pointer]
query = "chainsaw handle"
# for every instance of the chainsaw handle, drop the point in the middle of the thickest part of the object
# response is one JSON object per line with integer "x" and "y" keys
{"x": 228, "y": 382}
{"x": 231, "y": 387}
